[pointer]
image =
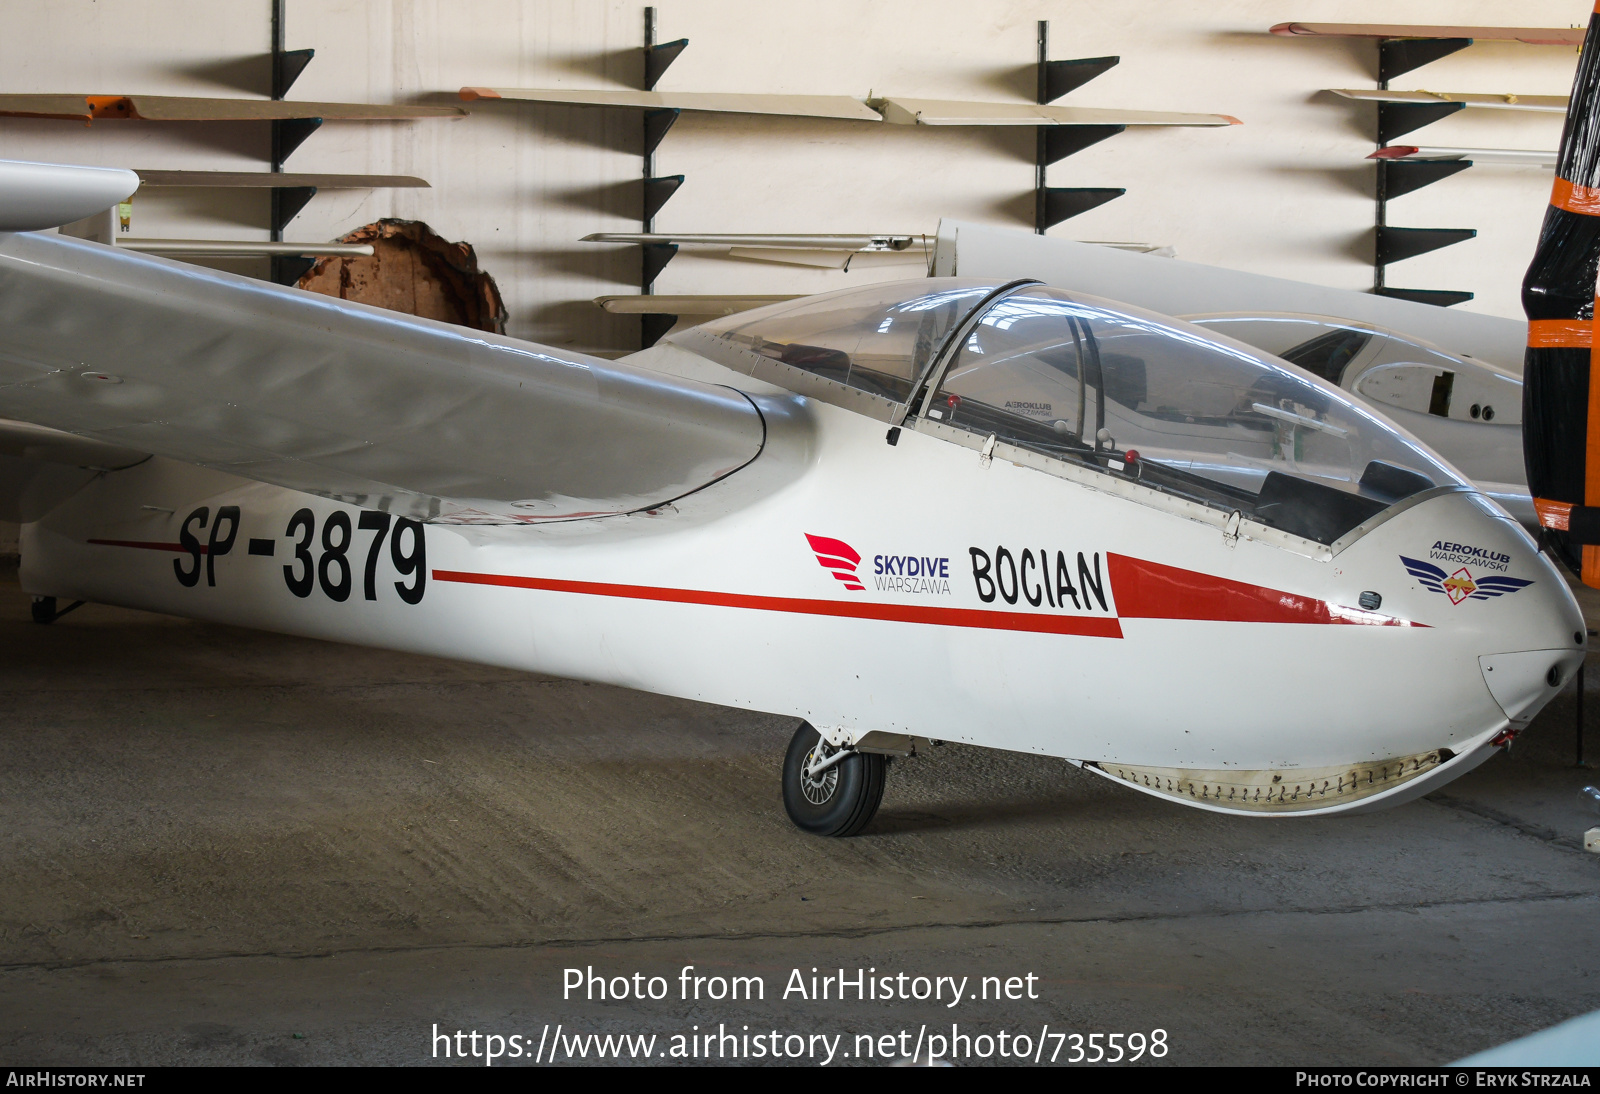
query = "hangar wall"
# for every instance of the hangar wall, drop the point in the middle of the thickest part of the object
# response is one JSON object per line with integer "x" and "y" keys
{"x": 1287, "y": 193}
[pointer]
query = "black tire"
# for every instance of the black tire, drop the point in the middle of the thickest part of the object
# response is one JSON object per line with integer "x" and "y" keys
{"x": 44, "y": 609}
{"x": 844, "y": 803}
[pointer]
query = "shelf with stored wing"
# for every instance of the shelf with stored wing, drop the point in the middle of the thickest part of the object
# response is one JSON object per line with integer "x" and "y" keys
{"x": 1061, "y": 131}
{"x": 891, "y": 110}
{"x": 184, "y": 108}
{"x": 291, "y": 191}
{"x": 1522, "y": 157}
{"x": 1404, "y": 169}
{"x": 1391, "y": 32}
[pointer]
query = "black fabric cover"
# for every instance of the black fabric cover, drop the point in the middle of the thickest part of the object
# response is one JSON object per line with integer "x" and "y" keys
{"x": 1310, "y": 509}
{"x": 1560, "y": 284}
{"x": 1393, "y": 482}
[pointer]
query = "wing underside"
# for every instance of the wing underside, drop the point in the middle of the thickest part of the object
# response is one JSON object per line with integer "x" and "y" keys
{"x": 380, "y": 409}
{"x": 41, "y": 468}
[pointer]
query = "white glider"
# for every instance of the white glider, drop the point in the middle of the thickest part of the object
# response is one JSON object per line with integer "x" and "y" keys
{"x": 963, "y": 509}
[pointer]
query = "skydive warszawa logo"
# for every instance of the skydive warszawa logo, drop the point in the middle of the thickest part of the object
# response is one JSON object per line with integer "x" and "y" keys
{"x": 912, "y": 574}
{"x": 891, "y": 573}
{"x": 838, "y": 557}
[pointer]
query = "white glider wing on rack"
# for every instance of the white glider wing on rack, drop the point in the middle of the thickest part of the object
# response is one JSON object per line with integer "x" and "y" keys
{"x": 901, "y": 111}
{"x": 43, "y": 195}
{"x": 895, "y": 111}
{"x": 1533, "y": 36}
{"x": 1526, "y": 157}
{"x": 341, "y": 400}
{"x": 1543, "y": 104}
{"x": 714, "y": 102}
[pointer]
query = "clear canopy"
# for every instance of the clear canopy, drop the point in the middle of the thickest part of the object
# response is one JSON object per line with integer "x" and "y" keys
{"x": 877, "y": 339}
{"x": 1108, "y": 386}
{"x": 1394, "y": 370}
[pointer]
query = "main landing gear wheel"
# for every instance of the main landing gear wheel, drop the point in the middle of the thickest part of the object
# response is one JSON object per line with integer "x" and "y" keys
{"x": 830, "y": 791}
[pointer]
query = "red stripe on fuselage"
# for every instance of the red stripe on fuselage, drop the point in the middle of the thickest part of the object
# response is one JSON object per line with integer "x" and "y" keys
{"x": 1090, "y": 626}
{"x": 1149, "y": 590}
{"x": 1142, "y": 589}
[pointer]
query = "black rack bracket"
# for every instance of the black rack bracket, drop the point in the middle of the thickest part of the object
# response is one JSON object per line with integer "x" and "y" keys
{"x": 1058, "y": 203}
{"x": 287, "y": 64}
{"x": 1398, "y": 119}
{"x": 287, "y": 201}
{"x": 656, "y": 193}
{"x": 1397, "y": 178}
{"x": 657, "y": 59}
{"x": 653, "y": 326}
{"x": 1056, "y": 78}
{"x": 1057, "y": 142}
{"x": 656, "y": 257}
{"x": 1398, "y": 56}
{"x": 289, "y": 269}
{"x": 1053, "y": 204}
{"x": 288, "y": 134}
{"x": 656, "y": 125}
{"x": 1399, "y": 244}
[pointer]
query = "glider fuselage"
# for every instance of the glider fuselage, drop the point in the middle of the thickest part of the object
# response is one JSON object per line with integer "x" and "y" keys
{"x": 992, "y": 603}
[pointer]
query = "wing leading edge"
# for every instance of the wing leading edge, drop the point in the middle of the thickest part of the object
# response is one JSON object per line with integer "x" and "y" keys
{"x": 342, "y": 400}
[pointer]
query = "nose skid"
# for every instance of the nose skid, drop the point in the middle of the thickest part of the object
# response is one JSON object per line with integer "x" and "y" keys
{"x": 1277, "y": 793}
{"x": 1522, "y": 683}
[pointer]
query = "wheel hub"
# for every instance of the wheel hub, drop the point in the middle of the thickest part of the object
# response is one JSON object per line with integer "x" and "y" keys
{"x": 819, "y": 788}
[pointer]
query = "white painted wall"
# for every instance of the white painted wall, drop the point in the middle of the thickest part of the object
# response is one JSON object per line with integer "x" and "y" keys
{"x": 1287, "y": 193}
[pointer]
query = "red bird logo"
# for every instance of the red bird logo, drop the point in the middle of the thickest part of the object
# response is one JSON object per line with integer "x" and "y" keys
{"x": 839, "y": 558}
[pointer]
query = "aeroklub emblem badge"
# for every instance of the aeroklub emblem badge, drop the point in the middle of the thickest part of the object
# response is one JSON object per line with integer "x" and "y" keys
{"x": 1461, "y": 585}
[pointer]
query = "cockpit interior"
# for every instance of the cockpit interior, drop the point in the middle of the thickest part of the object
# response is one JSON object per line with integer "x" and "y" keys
{"x": 1094, "y": 384}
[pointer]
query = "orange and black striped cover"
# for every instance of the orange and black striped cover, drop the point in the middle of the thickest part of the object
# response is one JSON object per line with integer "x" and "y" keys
{"x": 1561, "y": 393}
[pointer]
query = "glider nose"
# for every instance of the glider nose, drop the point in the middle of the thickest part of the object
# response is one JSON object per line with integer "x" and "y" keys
{"x": 1523, "y": 682}
{"x": 1542, "y": 645}
{"x": 1513, "y": 604}
{"x": 1496, "y": 608}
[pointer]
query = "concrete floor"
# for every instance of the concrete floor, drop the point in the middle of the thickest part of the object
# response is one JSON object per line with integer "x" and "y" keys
{"x": 229, "y": 847}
